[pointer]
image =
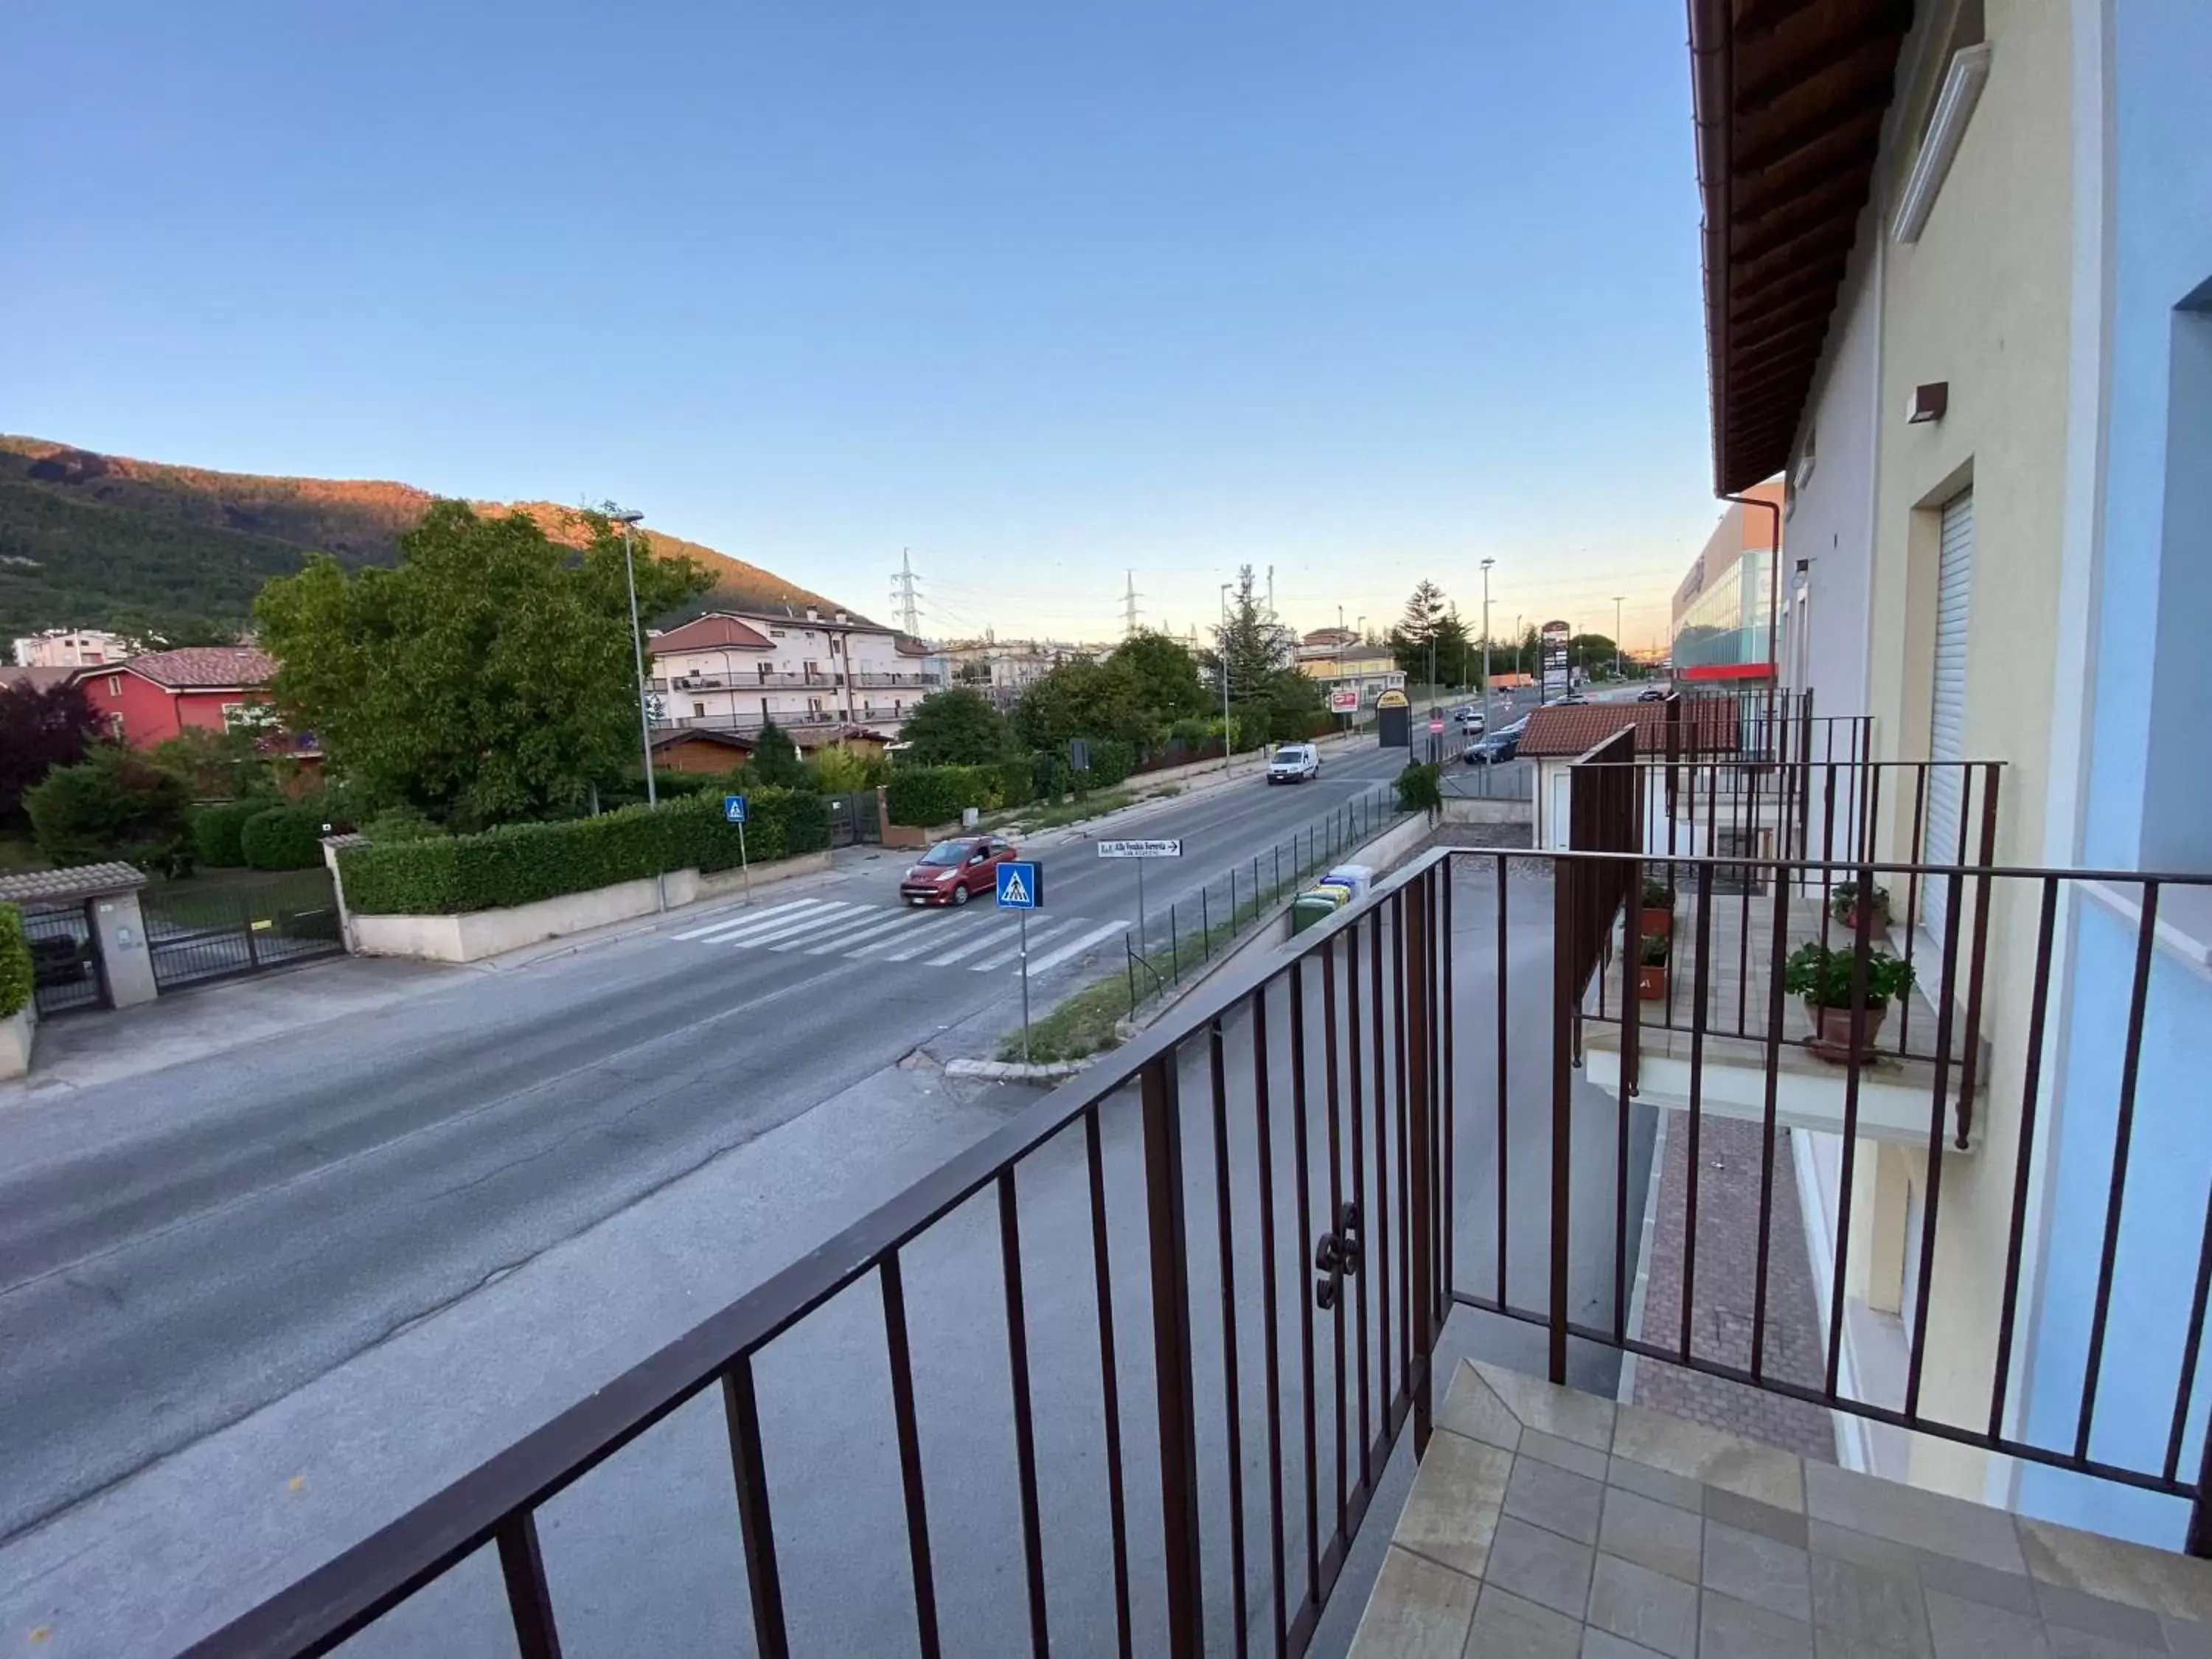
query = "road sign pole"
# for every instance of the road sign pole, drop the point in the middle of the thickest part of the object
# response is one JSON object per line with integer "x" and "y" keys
{"x": 745, "y": 863}
{"x": 1142, "y": 942}
{"x": 1025, "y": 987}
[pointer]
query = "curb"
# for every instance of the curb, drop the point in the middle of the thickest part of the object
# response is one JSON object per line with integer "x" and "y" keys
{"x": 1013, "y": 1071}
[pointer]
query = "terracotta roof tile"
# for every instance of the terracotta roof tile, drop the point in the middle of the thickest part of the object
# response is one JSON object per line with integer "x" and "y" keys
{"x": 204, "y": 667}
{"x": 1554, "y": 732}
{"x": 710, "y": 632}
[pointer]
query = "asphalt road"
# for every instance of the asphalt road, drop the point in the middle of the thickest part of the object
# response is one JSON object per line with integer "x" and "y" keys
{"x": 179, "y": 1248}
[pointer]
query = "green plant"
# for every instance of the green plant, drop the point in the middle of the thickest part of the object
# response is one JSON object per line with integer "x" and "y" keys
{"x": 922, "y": 796}
{"x": 1822, "y": 975}
{"x": 1653, "y": 950}
{"x": 216, "y": 829}
{"x": 1842, "y": 901}
{"x": 112, "y": 805}
{"x": 16, "y": 983}
{"x": 1657, "y": 894}
{"x": 775, "y": 762}
{"x": 521, "y": 863}
{"x": 283, "y": 838}
{"x": 400, "y": 824}
{"x": 839, "y": 768}
{"x": 955, "y": 727}
{"x": 1419, "y": 788}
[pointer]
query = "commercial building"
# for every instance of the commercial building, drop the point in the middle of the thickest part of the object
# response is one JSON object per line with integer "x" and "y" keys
{"x": 1722, "y": 610}
{"x": 1343, "y": 662}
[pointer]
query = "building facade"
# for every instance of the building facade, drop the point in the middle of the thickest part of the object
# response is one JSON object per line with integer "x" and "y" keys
{"x": 1342, "y": 661}
{"x": 159, "y": 695}
{"x": 1723, "y": 608}
{"x": 737, "y": 669}
{"x": 1999, "y": 528}
{"x": 73, "y": 648}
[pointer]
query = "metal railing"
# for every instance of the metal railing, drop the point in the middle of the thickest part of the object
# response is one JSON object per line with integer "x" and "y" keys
{"x": 1236, "y": 1238}
{"x": 750, "y": 682}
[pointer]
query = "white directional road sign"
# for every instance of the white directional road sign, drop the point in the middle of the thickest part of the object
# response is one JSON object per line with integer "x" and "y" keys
{"x": 1140, "y": 849}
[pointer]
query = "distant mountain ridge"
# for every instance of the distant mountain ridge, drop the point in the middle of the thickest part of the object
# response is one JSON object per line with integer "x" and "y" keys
{"x": 94, "y": 540}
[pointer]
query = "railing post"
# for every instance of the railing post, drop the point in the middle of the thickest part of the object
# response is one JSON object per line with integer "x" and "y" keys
{"x": 1171, "y": 1355}
{"x": 1565, "y": 887}
{"x": 1420, "y": 1214}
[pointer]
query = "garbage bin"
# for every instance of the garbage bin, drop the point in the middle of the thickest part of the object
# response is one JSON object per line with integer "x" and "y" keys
{"x": 1309, "y": 907}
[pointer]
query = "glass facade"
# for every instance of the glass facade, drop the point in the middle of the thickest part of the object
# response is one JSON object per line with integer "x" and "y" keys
{"x": 1722, "y": 632}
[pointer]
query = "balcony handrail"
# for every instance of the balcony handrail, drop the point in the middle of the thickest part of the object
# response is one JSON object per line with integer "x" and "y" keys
{"x": 496, "y": 1502}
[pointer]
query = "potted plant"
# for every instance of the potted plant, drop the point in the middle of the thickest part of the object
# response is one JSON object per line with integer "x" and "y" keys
{"x": 1651, "y": 970}
{"x": 1822, "y": 975}
{"x": 1844, "y": 903}
{"x": 1658, "y": 908}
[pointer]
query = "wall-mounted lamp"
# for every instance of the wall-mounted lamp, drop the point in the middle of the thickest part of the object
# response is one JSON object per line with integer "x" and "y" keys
{"x": 1927, "y": 403}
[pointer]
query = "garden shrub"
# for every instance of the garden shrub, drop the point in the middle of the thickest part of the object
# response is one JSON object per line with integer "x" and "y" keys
{"x": 1418, "y": 790}
{"x": 217, "y": 829}
{"x": 522, "y": 863}
{"x": 112, "y": 805}
{"x": 283, "y": 838}
{"x": 15, "y": 981}
{"x": 921, "y": 796}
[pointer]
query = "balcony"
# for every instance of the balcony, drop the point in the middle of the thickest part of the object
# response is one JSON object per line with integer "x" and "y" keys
{"x": 881, "y": 682}
{"x": 750, "y": 681}
{"x": 1141, "y": 1360}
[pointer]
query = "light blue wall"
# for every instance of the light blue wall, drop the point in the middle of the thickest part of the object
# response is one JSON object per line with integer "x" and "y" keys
{"x": 2149, "y": 801}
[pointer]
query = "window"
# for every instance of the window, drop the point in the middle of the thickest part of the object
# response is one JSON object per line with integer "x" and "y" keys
{"x": 115, "y": 685}
{"x": 698, "y": 711}
{"x": 776, "y": 633}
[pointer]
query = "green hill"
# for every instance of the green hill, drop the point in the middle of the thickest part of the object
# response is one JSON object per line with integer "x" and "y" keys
{"x": 104, "y": 541}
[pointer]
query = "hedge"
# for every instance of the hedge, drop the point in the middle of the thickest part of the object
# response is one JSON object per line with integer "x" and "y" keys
{"x": 283, "y": 838}
{"x": 15, "y": 981}
{"x": 921, "y": 796}
{"x": 522, "y": 863}
{"x": 217, "y": 831}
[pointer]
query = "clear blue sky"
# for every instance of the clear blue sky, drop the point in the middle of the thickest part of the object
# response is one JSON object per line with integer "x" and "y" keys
{"x": 1044, "y": 292}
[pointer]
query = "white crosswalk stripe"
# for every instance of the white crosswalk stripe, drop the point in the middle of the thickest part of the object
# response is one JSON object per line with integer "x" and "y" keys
{"x": 1038, "y": 930}
{"x": 749, "y": 917}
{"x": 786, "y": 926}
{"x": 1077, "y": 946}
{"x": 985, "y": 941}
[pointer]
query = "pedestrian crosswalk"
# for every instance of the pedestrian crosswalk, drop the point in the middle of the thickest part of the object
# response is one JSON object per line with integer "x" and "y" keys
{"x": 980, "y": 940}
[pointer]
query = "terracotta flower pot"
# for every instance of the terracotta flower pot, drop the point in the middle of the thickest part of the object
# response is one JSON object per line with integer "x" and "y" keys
{"x": 1656, "y": 923}
{"x": 1839, "y": 1032}
{"x": 1651, "y": 983}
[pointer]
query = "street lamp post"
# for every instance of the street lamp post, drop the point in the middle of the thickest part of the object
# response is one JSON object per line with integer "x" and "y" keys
{"x": 1616, "y": 636}
{"x": 1228, "y": 745}
{"x": 626, "y": 518}
{"x": 1487, "y": 563}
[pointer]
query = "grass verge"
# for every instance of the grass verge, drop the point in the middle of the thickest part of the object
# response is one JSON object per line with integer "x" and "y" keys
{"x": 1084, "y": 1023}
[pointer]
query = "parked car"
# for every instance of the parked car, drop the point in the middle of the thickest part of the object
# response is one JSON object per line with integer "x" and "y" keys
{"x": 1652, "y": 693}
{"x": 1572, "y": 700}
{"x": 1295, "y": 762}
{"x": 953, "y": 872}
{"x": 1504, "y": 744}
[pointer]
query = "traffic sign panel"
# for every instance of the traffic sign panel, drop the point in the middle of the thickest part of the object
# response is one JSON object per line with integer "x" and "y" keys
{"x": 1140, "y": 849}
{"x": 1021, "y": 885}
{"x": 733, "y": 809}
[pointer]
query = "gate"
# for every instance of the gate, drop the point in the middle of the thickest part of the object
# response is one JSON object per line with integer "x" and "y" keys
{"x": 853, "y": 819}
{"x": 195, "y": 933}
{"x": 65, "y": 973}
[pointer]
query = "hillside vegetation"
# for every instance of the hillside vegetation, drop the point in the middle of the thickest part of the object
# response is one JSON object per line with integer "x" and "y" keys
{"x": 92, "y": 540}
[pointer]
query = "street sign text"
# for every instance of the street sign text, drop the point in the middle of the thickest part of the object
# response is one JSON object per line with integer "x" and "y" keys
{"x": 1140, "y": 849}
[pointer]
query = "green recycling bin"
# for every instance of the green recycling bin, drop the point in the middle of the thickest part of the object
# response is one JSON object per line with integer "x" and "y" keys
{"x": 1309, "y": 907}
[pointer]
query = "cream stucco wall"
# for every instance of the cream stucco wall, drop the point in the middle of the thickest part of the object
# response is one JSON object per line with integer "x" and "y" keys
{"x": 1981, "y": 301}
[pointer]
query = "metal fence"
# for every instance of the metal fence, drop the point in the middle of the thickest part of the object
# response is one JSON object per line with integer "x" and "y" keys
{"x": 198, "y": 931}
{"x": 1237, "y": 1239}
{"x": 1197, "y": 927}
{"x": 65, "y": 967}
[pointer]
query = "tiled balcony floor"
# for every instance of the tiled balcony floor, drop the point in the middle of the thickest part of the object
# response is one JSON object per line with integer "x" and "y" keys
{"x": 1549, "y": 1524}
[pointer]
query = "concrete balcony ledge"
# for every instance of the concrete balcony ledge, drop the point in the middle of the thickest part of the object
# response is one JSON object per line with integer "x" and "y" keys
{"x": 1546, "y": 1523}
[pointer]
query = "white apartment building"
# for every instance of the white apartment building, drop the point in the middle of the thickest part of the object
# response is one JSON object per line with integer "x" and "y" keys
{"x": 73, "y": 648}
{"x": 737, "y": 669}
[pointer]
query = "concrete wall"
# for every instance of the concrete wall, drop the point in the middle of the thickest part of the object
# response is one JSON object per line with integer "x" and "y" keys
{"x": 475, "y": 934}
{"x": 16, "y": 1031}
{"x": 120, "y": 931}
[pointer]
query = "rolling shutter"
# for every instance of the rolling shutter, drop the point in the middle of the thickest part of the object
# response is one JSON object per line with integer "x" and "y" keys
{"x": 1946, "y": 725}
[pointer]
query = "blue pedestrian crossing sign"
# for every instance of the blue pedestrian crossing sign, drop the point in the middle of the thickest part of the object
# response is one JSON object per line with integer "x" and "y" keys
{"x": 733, "y": 809}
{"x": 1021, "y": 885}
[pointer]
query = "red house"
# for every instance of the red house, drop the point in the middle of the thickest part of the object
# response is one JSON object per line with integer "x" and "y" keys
{"x": 149, "y": 699}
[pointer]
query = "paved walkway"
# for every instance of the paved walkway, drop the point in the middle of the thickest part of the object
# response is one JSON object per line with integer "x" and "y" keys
{"x": 1550, "y": 1524}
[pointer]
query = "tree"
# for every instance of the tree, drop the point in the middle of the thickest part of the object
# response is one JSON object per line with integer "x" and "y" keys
{"x": 112, "y": 805}
{"x": 1253, "y": 647}
{"x": 1082, "y": 699}
{"x": 1418, "y": 629}
{"x": 1451, "y": 649}
{"x": 1591, "y": 652}
{"x": 216, "y": 765}
{"x": 775, "y": 760}
{"x": 1167, "y": 677}
{"x": 40, "y": 730}
{"x": 956, "y": 727}
{"x": 489, "y": 678}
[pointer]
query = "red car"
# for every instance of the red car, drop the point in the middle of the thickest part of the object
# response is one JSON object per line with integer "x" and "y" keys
{"x": 953, "y": 872}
